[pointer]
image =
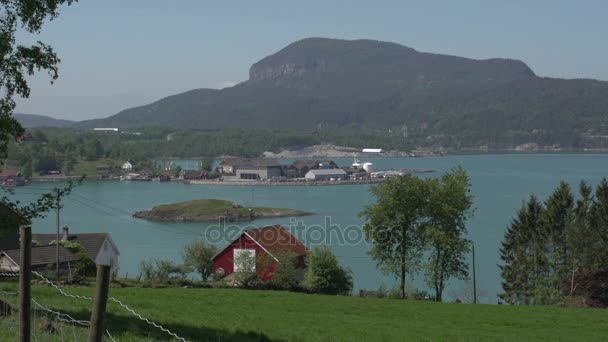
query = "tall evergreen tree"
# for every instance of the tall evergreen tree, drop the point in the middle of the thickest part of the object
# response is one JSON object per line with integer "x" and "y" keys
{"x": 557, "y": 222}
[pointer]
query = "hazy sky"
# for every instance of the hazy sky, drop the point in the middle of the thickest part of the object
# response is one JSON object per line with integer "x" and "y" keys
{"x": 118, "y": 54}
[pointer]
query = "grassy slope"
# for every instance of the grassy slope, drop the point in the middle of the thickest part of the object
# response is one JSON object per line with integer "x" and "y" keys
{"x": 206, "y": 210}
{"x": 241, "y": 315}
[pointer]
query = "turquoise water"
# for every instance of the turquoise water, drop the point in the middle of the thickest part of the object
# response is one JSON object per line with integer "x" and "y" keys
{"x": 500, "y": 183}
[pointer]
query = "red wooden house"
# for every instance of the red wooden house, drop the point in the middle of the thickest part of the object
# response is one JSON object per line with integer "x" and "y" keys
{"x": 262, "y": 243}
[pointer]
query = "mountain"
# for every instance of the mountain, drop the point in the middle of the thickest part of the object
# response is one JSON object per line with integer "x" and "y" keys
{"x": 33, "y": 121}
{"x": 320, "y": 82}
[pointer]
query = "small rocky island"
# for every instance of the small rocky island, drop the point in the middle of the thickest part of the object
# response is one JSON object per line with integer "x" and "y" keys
{"x": 211, "y": 210}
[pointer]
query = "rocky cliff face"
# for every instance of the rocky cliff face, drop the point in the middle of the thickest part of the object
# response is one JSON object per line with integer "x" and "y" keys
{"x": 285, "y": 71}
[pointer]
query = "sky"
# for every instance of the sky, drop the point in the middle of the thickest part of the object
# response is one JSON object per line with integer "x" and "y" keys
{"x": 118, "y": 54}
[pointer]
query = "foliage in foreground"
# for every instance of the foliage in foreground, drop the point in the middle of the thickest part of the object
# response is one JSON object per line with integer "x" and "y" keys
{"x": 325, "y": 275}
{"x": 556, "y": 249}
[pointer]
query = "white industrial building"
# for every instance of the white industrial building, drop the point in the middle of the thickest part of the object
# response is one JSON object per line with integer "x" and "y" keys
{"x": 326, "y": 174}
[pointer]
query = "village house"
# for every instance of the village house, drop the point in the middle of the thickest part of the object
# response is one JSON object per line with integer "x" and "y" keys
{"x": 164, "y": 177}
{"x": 193, "y": 174}
{"x": 128, "y": 165}
{"x": 98, "y": 246}
{"x": 243, "y": 168}
{"x": 326, "y": 174}
{"x": 11, "y": 178}
{"x": 299, "y": 168}
{"x": 258, "y": 243}
{"x": 42, "y": 257}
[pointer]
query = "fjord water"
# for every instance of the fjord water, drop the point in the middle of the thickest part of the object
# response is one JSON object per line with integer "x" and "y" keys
{"x": 499, "y": 183}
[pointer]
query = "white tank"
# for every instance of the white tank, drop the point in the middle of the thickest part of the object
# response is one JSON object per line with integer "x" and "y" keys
{"x": 368, "y": 167}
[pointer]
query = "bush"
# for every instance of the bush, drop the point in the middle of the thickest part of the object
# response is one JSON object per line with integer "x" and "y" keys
{"x": 198, "y": 255}
{"x": 161, "y": 271}
{"x": 285, "y": 276}
{"x": 325, "y": 275}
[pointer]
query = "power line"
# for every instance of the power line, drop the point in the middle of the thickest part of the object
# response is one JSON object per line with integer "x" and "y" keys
{"x": 173, "y": 231}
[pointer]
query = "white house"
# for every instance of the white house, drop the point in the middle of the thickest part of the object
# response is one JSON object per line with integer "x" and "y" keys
{"x": 128, "y": 165}
{"x": 326, "y": 174}
{"x": 372, "y": 150}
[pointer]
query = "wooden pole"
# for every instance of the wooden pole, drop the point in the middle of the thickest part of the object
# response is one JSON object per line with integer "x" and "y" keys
{"x": 474, "y": 278}
{"x": 25, "y": 290}
{"x": 57, "y": 238}
{"x": 96, "y": 329}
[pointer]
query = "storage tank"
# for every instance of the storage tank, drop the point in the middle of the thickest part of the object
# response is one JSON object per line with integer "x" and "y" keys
{"x": 368, "y": 167}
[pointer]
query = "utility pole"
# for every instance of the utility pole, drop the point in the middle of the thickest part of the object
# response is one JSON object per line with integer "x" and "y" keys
{"x": 25, "y": 286}
{"x": 57, "y": 238}
{"x": 474, "y": 279}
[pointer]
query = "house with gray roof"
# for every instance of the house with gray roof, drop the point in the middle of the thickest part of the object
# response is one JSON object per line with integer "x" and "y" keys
{"x": 98, "y": 246}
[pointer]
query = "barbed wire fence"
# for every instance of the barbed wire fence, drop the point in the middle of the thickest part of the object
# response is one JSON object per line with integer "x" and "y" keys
{"x": 70, "y": 329}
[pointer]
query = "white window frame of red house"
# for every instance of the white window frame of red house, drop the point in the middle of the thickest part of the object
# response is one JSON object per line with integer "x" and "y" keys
{"x": 238, "y": 251}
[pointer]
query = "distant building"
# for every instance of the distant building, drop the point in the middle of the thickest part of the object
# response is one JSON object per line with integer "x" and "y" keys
{"x": 128, "y": 165}
{"x": 11, "y": 178}
{"x": 299, "y": 168}
{"x": 107, "y": 130}
{"x": 193, "y": 174}
{"x": 372, "y": 150}
{"x": 260, "y": 243}
{"x": 164, "y": 177}
{"x": 264, "y": 168}
{"x": 326, "y": 174}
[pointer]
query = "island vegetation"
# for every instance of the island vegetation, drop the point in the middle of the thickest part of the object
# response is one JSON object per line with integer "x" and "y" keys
{"x": 211, "y": 210}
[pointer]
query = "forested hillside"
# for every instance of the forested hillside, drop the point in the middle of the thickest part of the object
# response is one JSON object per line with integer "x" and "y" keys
{"x": 322, "y": 83}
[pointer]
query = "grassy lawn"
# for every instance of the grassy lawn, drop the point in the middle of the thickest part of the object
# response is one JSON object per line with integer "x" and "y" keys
{"x": 242, "y": 315}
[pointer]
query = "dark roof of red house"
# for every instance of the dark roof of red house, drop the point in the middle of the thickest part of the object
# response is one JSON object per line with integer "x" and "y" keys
{"x": 7, "y": 173}
{"x": 91, "y": 242}
{"x": 273, "y": 239}
{"x": 43, "y": 255}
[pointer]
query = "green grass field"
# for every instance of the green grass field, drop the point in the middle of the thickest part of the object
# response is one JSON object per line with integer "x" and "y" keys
{"x": 243, "y": 315}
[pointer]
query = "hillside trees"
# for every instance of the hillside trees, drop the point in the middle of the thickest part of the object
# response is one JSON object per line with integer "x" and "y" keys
{"x": 554, "y": 249}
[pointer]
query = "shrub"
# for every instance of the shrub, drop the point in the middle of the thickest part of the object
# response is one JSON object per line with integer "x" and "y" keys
{"x": 198, "y": 255}
{"x": 162, "y": 271}
{"x": 325, "y": 275}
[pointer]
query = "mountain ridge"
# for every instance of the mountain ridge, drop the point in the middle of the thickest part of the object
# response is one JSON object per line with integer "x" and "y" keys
{"x": 319, "y": 82}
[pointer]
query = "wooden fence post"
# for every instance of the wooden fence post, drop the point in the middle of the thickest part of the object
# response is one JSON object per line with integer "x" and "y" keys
{"x": 25, "y": 286}
{"x": 96, "y": 328}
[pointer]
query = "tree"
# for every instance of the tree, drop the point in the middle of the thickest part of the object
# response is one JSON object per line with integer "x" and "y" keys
{"x": 325, "y": 275}
{"x": 555, "y": 249}
{"x": 198, "y": 255}
{"x": 245, "y": 273}
{"x": 394, "y": 225}
{"x": 523, "y": 256}
{"x": 19, "y": 62}
{"x": 448, "y": 210}
{"x": 286, "y": 274}
{"x": 558, "y": 219}
{"x": 207, "y": 164}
